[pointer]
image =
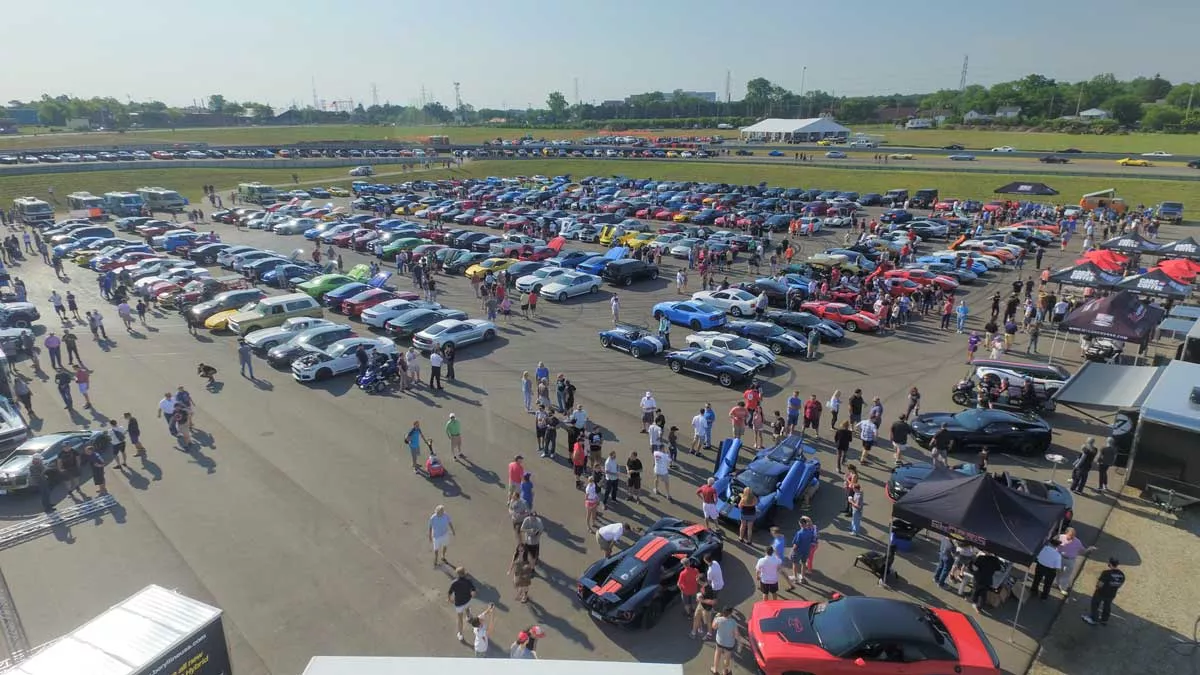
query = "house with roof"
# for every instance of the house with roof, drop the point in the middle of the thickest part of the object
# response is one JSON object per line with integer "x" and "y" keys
{"x": 1094, "y": 114}
{"x": 1008, "y": 112}
{"x": 976, "y": 116}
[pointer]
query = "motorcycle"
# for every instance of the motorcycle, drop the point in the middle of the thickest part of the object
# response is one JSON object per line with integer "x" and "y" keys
{"x": 966, "y": 394}
{"x": 379, "y": 373}
{"x": 1103, "y": 350}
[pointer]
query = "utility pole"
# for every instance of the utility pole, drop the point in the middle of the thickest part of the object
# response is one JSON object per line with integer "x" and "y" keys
{"x": 374, "y": 95}
{"x": 803, "y": 77}
{"x": 1189, "y": 108}
{"x": 576, "y": 91}
{"x": 314, "y": 92}
{"x": 962, "y": 79}
{"x": 728, "y": 87}
{"x": 1079, "y": 101}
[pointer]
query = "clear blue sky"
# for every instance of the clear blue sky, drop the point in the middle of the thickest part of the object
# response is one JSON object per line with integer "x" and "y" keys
{"x": 513, "y": 52}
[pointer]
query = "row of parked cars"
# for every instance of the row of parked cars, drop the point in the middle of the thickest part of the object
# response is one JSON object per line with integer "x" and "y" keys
{"x": 55, "y": 157}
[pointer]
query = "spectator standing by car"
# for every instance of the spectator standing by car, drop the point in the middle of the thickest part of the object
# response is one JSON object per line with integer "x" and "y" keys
{"x": 766, "y": 571}
{"x": 448, "y": 359}
{"x": 804, "y": 549}
{"x": 856, "y": 509}
{"x": 706, "y": 600}
{"x": 689, "y": 586}
{"x": 841, "y": 441}
{"x": 95, "y": 461}
{"x": 612, "y": 478}
{"x": 1106, "y": 458}
{"x": 633, "y": 467}
{"x": 867, "y": 431}
{"x": 1083, "y": 466}
{"x": 435, "y": 369}
{"x": 812, "y": 416}
{"x": 725, "y": 636}
{"x": 38, "y": 478}
{"x": 662, "y": 472}
{"x": 608, "y": 536}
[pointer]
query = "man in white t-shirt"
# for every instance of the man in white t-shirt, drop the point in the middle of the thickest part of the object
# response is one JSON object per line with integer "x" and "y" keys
{"x": 655, "y": 433}
{"x": 648, "y": 405}
{"x": 715, "y": 575}
{"x": 699, "y": 427}
{"x": 166, "y": 410}
{"x": 662, "y": 472}
{"x": 609, "y": 535}
{"x": 766, "y": 570}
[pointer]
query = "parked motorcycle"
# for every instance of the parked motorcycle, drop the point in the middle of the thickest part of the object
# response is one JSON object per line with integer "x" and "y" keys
{"x": 966, "y": 394}
{"x": 1103, "y": 350}
{"x": 379, "y": 374}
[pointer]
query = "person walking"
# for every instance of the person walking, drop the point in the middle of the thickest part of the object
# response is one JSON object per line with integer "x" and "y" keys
{"x": 461, "y": 593}
{"x": 1049, "y": 562}
{"x": 867, "y": 431}
{"x": 1072, "y": 549}
{"x": 454, "y": 433}
{"x": 1111, "y": 580}
{"x": 135, "y": 434}
{"x": 116, "y": 438}
{"x": 246, "y": 359}
{"x": 67, "y": 465}
{"x": 1083, "y": 465}
{"x": 1106, "y": 458}
{"x": 62, "y": 380}
{"x": 83, "y": 382}
{"x": 841, "y": 442}
{"x": 591, "y": 503}
{"x": 648, "y": 407}
{"x": 662, "y": 472}
{"x": 412, "y": 440}
{"x": 899, "y": 436}
{"x": 24, "y": 395}
{"x": 526, "y": 488}
{"x": 804, "y": 549}
{"x": 441, "y": 528}
{"x": 855, "y": 501}
{"x": 531, "y": 532}
{"x": 615, "y": 304}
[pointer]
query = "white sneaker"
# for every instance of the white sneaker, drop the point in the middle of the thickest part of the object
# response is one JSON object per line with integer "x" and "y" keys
{"x": 460, "y": 637}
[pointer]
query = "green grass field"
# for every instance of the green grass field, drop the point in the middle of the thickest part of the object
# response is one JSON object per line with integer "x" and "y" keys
{"x": 955, "y": 184}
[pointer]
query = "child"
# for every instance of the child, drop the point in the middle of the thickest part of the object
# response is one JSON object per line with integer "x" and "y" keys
{"x": 207, "y": 372}
{"x": 482, "y": 627}
{"x": 673, "y": 442}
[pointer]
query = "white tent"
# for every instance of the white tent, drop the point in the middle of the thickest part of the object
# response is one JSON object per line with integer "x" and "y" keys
{"x": 795, "y": 131}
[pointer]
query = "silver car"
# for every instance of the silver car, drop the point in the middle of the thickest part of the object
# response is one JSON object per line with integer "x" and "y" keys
{"x": 268, "y": 338}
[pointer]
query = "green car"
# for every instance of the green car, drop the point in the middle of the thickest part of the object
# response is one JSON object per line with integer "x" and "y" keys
{"x": 319, "y": 285}
{"x": 405, "y": 244}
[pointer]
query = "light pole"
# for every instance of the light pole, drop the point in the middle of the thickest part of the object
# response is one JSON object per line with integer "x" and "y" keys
{"x": 804, "y": 101}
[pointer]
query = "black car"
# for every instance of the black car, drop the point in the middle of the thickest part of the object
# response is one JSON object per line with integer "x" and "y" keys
{"x": 953, "y": 146}
{"x": 804, "y": 322}
{"x": 924, "y": 198}
{"x": 625, "y": 272}
{"x": 1194, "y": 164}
{"x": 1074, "y": 151}
{"x": 777, "y": 293}
{"x": 994, "y": 430}
{"x": 18, "y": 314}
{"x": 871, "y": 199}
{"x": 520, "y": 269}
{"x": 465, "y": 239}
{"x": 207, "y": 254}
{"x": 778, "y": 338}
{"x": 1053, "y": 159}
{"x": 464, "y": 260}
{"x": 635, "y": 586}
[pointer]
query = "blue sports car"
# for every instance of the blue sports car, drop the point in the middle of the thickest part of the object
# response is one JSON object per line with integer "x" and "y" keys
{"x": 290, "y": 271}
{"x": 724, "y": 367}
{"x": 569, "y": 259}
{"x": 778, "y": 476}
{"x": 974, "y": 266}
{"x": 779, "y": 339}
{"x": 593, "y": 265}
{"x": 639, "y": 341}
{"x": 690, "y": 313}
{"x": 803, "y": 322}
{"x": 333, "y": 299}
{"x": 895, "y": 216}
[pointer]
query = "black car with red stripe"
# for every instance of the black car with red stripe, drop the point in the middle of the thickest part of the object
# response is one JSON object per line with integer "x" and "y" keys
{"x": 634, "y": 586}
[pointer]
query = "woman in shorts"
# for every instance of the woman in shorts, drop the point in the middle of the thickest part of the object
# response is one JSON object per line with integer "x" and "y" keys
{"x": 748, "y": 505}
{"x": 591, "y": 503}
{"x": 94, "y": 460}
{"x": 725, "y": 636}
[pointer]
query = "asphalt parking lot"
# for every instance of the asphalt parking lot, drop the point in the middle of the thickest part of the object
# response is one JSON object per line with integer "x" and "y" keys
{"x": 298, "y": 513}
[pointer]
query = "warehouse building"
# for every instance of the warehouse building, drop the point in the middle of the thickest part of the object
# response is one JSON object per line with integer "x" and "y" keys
{"x": 795, "y": 131}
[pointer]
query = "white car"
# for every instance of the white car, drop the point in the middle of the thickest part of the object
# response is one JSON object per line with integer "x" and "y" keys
{"x": 457, "y": 333}
{"x": 735, "y": 301}
{"x": 682, "y": 248}
{"x": 541, "y": 277}
{"x": 141, "y": 154}
{"x": 988, "y": 261}
{"x": 195, "y": 154}
{"x": 666, "y": 241}
{"x": 295, "y": 226}
{"x": 1004, "y": 148}
{"x": 339, "y": 358}
{"x": 837, "y": 221}
{"x": 761, "y": 355}
{"x": 379, "y": 315}
{"x": 362, "y": 171}
{"x": 569, "y": 285}
{"x": 1156, "y": 153}
{"x": 70, "y": 157}
{"x": 267, "y": 338}
{"x": 182, "y": 275}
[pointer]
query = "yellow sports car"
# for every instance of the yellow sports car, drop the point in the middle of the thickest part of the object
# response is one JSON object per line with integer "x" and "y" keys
{"x": 490, "y": 265}
{"x": 407, "y": 209}
{"x": 672, "y": 153}
{"x": 82, "y": 258}
{"x": 638, "y": 239}
{"x": 825, "y": 143}
{"x": 900, "y": 155}
{"x": 1134, "y": 161}
{"x": 682, "y": 217}
{"x": 220, "y": 320}
{"x": 339, "y": 192}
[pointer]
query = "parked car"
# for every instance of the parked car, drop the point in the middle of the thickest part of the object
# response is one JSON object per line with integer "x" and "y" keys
{"x": 727, "y": 369}
{"x": 638, "y": 341}
{"x": 977, "y": 429}
{"x": 778, "y": 476}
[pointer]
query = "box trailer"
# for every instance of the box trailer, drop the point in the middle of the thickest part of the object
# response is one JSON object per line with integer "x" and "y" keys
{"x": 154, "y": 632}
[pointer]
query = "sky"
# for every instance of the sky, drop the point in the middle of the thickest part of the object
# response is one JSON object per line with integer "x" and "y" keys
{"x": 512, "y": 53}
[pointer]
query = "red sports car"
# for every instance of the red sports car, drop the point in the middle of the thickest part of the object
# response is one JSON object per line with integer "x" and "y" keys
{"x": 924, "y": 278}
{"x": 344, "y": 239}
{"x": 899, "y": 287}
{"x": 867, "y": 636}
{"x": 360, "y": 302}
{"x": 664, "y": 214}
{"x": 538, "y": 253}
{"x": 481, "y": 219}
{"x": 126, "y": 260}
{"x": 644, "y": 213}
{"x": 843, "y": 315}
{"x": 363, "y": 241}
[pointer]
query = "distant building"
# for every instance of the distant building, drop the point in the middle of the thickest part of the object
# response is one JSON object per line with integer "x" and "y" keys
{"x": 612, "y": 103}
{"x": 976, "y": 116}
{"x": 22, "y": 116}
{"x": 1008, "y": 112}
{"x": 1093, "y": 114}
{"x": 706, "y": 96}
{"x": 795, "y": 130}
{"x": 919, "y": 123}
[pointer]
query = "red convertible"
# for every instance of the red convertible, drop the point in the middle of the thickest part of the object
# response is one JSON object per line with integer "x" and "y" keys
{"x": 843, "y": 315}
{"x": 538, "y": 253}
{"x": 924, "y": 278}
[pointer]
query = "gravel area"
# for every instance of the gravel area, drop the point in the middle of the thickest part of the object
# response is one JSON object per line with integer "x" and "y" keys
{"x": 1155, "y": 616}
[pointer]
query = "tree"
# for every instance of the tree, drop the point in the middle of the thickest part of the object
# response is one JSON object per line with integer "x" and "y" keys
{"x": 216, "y": 103}
{"x": 1126, "y": 109}
{"x": 557, "y": 103}
{"x": 437, "y": 112}
{"x": 1160, "y": 117}
{"x": 261, "y": 111}
{"x": 235, "y": 109}
{"x": 1150, "y": 89}
{"x": 1180, "y": 94}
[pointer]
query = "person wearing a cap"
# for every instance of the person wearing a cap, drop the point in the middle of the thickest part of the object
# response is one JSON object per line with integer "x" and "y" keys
{"x": 454, "y": 431}
{"x": 526, "y": 643}
{"x": 649, "y": 406}
{"x": 516, "y": 471}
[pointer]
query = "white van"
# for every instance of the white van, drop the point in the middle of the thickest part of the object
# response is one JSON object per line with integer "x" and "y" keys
{"x": 162, "y": 199}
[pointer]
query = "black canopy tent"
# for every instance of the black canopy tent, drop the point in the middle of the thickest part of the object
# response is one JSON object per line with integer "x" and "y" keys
{"x": 1120, "y": 316}
{"x": 1184, "y": 248}
{"x": 980, "y": 510}
{"x": 1157, "y": 283}
{"x": 1026, "y": 188}
{"x": 1130, "y": 243}
{"x": 1086, "y": 274}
